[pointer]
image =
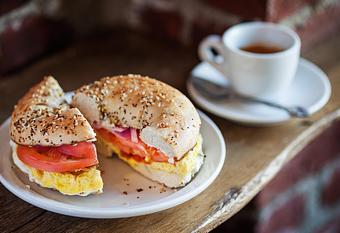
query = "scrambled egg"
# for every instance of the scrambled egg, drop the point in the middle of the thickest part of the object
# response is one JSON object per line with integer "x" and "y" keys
{"x": 80, "y": 183}
{"x": 188, "y": 165}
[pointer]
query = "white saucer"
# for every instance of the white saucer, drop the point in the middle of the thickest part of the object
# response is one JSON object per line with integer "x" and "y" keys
{"x": 118, "y": 177}
{"x": 310, "y": 89}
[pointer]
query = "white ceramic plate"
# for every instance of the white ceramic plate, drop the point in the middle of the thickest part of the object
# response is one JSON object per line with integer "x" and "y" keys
{"x": 310, "y": 89}
{"x": 118, "y": 177}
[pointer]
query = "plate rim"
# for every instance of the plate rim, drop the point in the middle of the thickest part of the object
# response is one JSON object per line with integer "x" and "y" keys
{"x": 107, "y": 213}
{"x": 265, "y": 122}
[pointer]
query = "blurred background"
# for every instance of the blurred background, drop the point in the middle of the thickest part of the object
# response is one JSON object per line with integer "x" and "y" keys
{"x": 31, "y": 28}
{"x": 305, "y": 194}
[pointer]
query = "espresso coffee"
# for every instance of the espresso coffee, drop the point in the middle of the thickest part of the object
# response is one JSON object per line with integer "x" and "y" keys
{"x": 262, "y": 48}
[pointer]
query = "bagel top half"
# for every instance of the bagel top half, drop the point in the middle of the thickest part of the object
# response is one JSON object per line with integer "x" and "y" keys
{"x": 166, "y": 118}
{"x": 42, "y": 117}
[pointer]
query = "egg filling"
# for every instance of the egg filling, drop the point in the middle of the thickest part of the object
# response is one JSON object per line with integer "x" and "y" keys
{"x": 172, "y": 174}
{"x": 81, "y": 183}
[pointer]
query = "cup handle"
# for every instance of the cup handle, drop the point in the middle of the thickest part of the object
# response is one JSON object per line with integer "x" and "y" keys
{"x": 206, "y": 54}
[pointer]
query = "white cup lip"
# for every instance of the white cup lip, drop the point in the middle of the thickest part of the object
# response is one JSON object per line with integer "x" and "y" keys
{"x": 292, "y": 49}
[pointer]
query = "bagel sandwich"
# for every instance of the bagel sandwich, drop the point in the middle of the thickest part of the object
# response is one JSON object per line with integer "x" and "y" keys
{"x": 148, "y": 124}
{"x": 53, "y": 143}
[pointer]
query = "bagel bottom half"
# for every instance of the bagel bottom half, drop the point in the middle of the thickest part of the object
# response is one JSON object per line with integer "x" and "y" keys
{"x": 171, "y": 175}
{"x": 80, "y": 183}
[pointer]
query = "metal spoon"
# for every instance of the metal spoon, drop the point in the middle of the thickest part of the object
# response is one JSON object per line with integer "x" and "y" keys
{"x": 215, "y": 91}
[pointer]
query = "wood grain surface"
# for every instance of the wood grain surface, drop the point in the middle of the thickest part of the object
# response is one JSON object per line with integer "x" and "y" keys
{"x": 254, "y": 154}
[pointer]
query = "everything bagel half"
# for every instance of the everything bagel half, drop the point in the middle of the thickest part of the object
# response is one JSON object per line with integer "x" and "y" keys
{"x": 148, "y": 124}
{"x": 53, "y": 143}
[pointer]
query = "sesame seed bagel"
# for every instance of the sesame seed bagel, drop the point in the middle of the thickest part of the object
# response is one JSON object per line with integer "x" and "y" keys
{"x": 42, "y": 117}
{"x": 166, "y": 118}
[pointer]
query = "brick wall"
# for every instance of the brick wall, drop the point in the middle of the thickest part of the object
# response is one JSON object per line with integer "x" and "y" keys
{"x": 31, "y": 28}
{"x": 191, "y": 20}
{"x": 305, "y": 195}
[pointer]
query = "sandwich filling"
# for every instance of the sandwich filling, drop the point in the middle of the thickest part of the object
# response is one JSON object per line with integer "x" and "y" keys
{"x": 53, "y": 142}
{"x": 148, "y": 160}
{"x": 74, "y": 182}
{"x": 64, "y": 158}
{"x": 128, "y": 142}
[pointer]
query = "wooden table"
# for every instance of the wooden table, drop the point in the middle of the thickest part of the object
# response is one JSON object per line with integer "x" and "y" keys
{"x": 254, "y": 155}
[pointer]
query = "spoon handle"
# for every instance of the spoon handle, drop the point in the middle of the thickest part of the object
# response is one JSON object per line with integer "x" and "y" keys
{"x": 295, "y": 111}
{"x": 217, "y": 92}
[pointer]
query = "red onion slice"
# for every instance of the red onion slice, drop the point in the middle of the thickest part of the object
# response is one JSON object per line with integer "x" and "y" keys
{"x": 134, "y": 136}
{"x": 96, "y": 125}
{"x": 119, "y": 129}
{"x": 124, "y": 134}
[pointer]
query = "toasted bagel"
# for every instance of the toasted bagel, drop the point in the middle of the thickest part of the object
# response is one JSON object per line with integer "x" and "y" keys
{"x": 166, "y": 118}
{"x": 42, "y": 117}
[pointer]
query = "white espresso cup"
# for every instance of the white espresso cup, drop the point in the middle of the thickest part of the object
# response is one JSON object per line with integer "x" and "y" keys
{"x": 261, "y": 75}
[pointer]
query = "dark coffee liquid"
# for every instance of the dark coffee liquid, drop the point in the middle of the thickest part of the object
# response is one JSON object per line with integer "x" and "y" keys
{"x": 261, "y": 48}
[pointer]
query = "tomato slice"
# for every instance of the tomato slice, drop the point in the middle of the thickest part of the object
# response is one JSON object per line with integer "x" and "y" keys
{"x": 54, "y": 159}
{"x": 157, "y": 156}
{"x": 80, "y": 150}
{"x": 131, "y": 148}
{"x": 42, "y": 148}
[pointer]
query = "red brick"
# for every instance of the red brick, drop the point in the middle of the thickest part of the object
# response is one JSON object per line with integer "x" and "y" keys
{"x": 279, "y": 9}
{"x": 310, "y": 160}
{"x": 244, "y": 8}
{"x": 287, "y": 217}
{"x": 331, "y": 192}
{"x": 320, "y": 26}
{"x": 8, "y": 5}
{"x": 272, "y": 10}
{"x": 35, "y": 36}
{"x": 166, "y": 24}
{"x": 331, "y": 226}
{"x": 202, "y": 28}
